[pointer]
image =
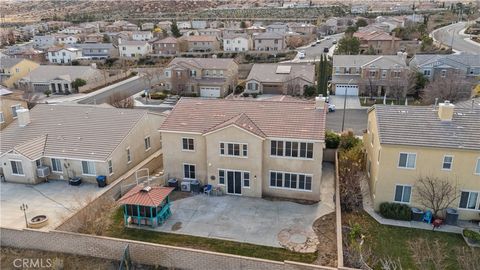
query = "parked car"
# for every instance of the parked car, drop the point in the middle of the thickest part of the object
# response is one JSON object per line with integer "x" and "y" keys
{"x": 334, "y": 41}
{"x": 318, "y": 41}
{"x": 331, "y": 108}
{"x": 313, "y": 45}
{"x": 326, "y": 50}
{"x": 301, "y": 55}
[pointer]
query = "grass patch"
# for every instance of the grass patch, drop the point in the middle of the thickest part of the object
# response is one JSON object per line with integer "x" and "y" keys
{"x": 392, "y": 242}
{"x": 118, "y": 230}
{"x": 369, "y": 102}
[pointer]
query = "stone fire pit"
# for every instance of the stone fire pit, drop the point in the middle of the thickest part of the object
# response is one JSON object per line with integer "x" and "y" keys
{"x": 38, "y": 221}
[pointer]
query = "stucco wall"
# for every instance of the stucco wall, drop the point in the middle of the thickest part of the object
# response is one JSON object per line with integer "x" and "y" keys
{"x": 24, "y": 68}
{"x": 27, "y": 166}
{"x": 6, "y": 108}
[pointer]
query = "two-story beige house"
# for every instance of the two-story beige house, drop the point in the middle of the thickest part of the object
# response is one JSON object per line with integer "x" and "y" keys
{"x": 404, "y": 143}
{"x": 269, "y": 41}
{"x": 371, "y": 75}
{"x": 378, "y": 41}
{"x": 65, "y": 141}
{"x": 205, "y": 77}
{"x": 202, "y": 43}
{"x": 13, "y": 69}
{"x": 247, "y": 147}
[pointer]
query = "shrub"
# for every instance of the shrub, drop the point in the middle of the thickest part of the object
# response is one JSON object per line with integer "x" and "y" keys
{"x": 47, "y": 93}
{"x": 166, "y": 92}
{"x": 245, "y": 94}
{"x": 395, "y": 211}
{"x": 348, "y": 140}
{"x": 471, "y": 234}
{"x": 143, "y": 95}
{"x": 254, "y": 95}
{"x": 332, "y": 140}
{"x": 158, "y": 95}
{"x": 238, "y": 89}
{"x": 134, "y": 73}
{"x": 309, "y": 91}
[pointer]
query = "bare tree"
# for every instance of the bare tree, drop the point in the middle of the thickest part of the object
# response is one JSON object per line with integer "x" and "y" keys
{"x": 454, "y": 87}
{"x": 435, "y": 193}
{"x": 293, "y": 86}
{"x": 468, "y": 258}
{"x": 390, "y": 264}
{"x": 121, "y": 101}
{"x": 429, "y": 254}
{"x": 397, "y": 89}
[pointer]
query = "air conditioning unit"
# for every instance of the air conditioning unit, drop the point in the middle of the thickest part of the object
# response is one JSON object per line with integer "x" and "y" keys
{"x": 43, "y": 171}
{"x": 185, "y": 186}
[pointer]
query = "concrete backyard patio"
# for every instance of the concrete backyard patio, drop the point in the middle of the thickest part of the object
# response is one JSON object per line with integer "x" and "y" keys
{"x": 253, "y": 220}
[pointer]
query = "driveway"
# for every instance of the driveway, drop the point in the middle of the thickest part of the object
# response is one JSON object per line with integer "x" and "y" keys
{"x": 244, "y": 219}
{"x": 56, "y": 199}
{"x": 353, "y": 102}
{"x": 355, "y": 119}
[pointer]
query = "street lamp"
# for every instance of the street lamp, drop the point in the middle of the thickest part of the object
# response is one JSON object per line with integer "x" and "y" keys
{"x": 24, "y": 208}
{"x": 345, "y": 103}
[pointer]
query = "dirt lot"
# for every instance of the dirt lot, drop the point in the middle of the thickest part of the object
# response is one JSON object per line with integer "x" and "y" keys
{"x": 324, "y": 227}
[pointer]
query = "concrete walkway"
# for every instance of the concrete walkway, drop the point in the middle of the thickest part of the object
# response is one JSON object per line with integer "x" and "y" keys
{"x": 368, "y": 207}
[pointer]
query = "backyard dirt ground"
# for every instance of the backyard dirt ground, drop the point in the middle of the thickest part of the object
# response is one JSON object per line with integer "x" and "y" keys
{"x": 324, "y": 227}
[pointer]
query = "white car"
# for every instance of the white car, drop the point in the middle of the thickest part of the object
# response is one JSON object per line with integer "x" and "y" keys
{"x": 301, "y": 55}
{"x": 331, "y": 108}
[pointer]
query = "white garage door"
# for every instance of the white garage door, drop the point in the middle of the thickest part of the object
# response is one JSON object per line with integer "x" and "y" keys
{"x": 340, "y": 89}
{"x": 210, "y": 91}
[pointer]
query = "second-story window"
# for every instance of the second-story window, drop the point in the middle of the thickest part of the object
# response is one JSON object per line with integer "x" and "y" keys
{"x": 447, "y": 163}
{"x": 291, "y": 149}
{"x": 407, "y": 160}
{"x": 234, "y": 149}
{"x": 188, "y": 144}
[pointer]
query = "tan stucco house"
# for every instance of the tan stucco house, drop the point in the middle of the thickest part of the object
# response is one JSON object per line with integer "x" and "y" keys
{"x": 13, "y": 69}
{"x": 404, "y": 143}
{"x": 77, "y": 140}
{"x": 8, "y": 110}
{"x": 247, "y": 147}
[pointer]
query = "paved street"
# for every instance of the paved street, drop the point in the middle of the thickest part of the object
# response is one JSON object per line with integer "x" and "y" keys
{"x": 314, "y": 53}
{"x": 355, "y": 119}
{"x": 445, "y": 35}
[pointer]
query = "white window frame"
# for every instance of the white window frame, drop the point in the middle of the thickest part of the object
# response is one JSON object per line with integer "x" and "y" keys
{"x": 297, "y": 188}
{"x": 129, "y": 155}
{"x": 188, "y": 144}
{"x": 56, "y": 165}
{"x": 110, "y": 166}
{"x": 14, "y": 113}
{"x": 147, "y": 142}
{"x": 476, "y": 170}
{"x": 89, "y": 173}
{"x": 21, "y": 167}
{"x": 225, "y": 149}
{"x": 443, "y": 163}
{"x": 298, "y": 148}
{"x": 477, "y": 202}
{"x": 242, "y": 177}
{"x": 406, "y": 163}
{"x": 403, "y": 193}
{"x": 194, "y": 169}
{"x": 2, "y": 118}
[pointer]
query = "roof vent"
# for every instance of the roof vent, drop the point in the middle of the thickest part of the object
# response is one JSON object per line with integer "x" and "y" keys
{"x": 146, "y": 189}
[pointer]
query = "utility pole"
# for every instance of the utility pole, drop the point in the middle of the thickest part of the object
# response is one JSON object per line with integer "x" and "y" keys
{"x": 24, "y": 208}
{"x": 345, "y": 104}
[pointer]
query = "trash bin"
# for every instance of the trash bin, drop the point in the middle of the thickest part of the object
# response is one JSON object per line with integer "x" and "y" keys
{"x": 451, "y": 217}
{"x": 75, "y": 181}
{"x": 173, "y": 182}
{"x": 417, "y": 214}
{"x": 101, "y": 180}
{"x": 195, "y": 186}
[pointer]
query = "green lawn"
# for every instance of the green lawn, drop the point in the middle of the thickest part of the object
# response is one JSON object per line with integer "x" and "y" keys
{"x": 392, "y": 242}
{"x": 118, "y": 230}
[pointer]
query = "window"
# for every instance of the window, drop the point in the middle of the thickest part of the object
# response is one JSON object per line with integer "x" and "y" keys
{"x": 188, "y": 171}
{"x": 129, "y": 157}
{"x": 221, "y": 177}
{"x": 88, "y": 167}
{"x": 187, "y": 144}
{"x": 468, "y": 200}
{"x": 291, "y": 149}
{"x": 110, "y": 167}
{"x": 444, "y": 73}
{"x": 407, "y": 160}
{"x": 193, "y": 73}
{"x": 56, "y": 165}
{"x": 246, "y": 179}
{"x": 252, "y": 86}
{"x": 384, "y": 74}
{"x": 14, "y": 110}
{"x": 233, "y": 149}
{"x": 477, "y": 168}
{"x": 426, "y": 72}
{"x": 290, "y": 180}
{"x": 447, "y": 162}
{"x": 147, "y": 143}
{"x": 372, "y": 73}
{"x": 17, "y": 168}
{"x": 402, "y": 193}
{"x": 2, "y": 119}
{"x": 38, "y": 163}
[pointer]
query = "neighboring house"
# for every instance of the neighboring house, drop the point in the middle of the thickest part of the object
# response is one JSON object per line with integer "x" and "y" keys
{"x": 372, "y": 75}
{"x": 133, "y": 48}
{"x": 247, "y": 147}
{"x": 166, "y": 46}
{"x": 205, "y": 77}
{"x": 61, "y": 39}
{"x": 279, "y": 28}
{"x": 147, "y": 26}
{"x": 97, "y": 51}
{"x": 199, "y": 24}
{"x": 202, "y": 43}
{"x": 44, "y": 41}
{"x": 13, "y": 69}
{"x": 60, "y": 137}
{"x": 142, "y": 35}
{"x": 359, "y": 9}
{"x": 269, "y": 42}
{"x": 9, "y": 107}
{"x": 285, "y": 79}
{"x": 435, "y": 66}
{"x": 58, "y": 79}
{"x": 184, "y": 25}
{"x": 232, "y": 31}
{"x": 405, "y": 143}
{"x": 210, "y": 32}
{"x": 302, "y": 28}
{"x": 378, "y": 41}
{"x": 255, "y": 29}
{"x": 72, "y": 30}
{"x": 94, "y": 38}
{"x": 165, "y": 25}
{"x": 58, "y": 55}
{"x": 237, "y": 43}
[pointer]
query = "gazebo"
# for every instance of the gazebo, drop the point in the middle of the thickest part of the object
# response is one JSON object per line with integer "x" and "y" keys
{"x": 146, "y": 206}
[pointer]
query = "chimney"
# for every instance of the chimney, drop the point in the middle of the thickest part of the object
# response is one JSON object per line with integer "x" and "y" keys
{"x": 445, "y": 111}
{"x": 403, "y": 56}
{"x": 23, "y": 116}
{"x": 320, "y": 103}
{"x": 93, "y": 65}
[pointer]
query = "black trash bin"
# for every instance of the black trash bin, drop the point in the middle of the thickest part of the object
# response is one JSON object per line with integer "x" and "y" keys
{"x": 101, "y": 180}
{"x": 173, "y": 182}
{"x": 75, "y": 181}
{"x": 451, "y": 217}
{"x": 195, "y": 186}
{"x": 417, "y": 214}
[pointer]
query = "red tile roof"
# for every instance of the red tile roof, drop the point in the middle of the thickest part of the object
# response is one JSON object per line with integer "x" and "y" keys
{"x": 153, "y": 197}
{"x": 285, "y": 119}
